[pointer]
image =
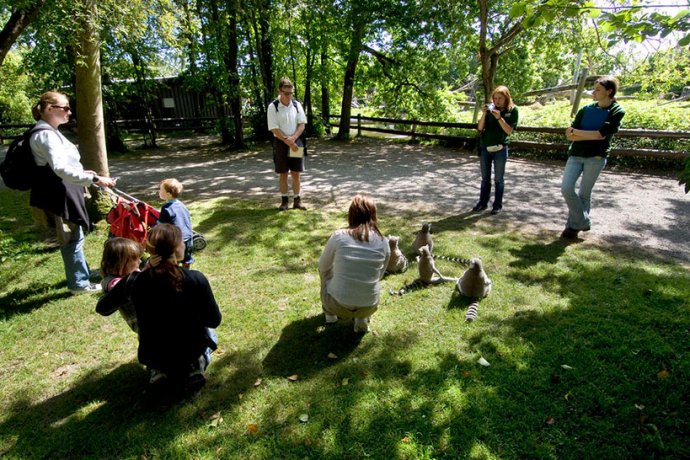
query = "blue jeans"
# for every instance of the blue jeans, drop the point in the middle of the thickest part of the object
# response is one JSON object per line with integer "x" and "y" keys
{"x": 214, "y": 338}
{"x": 579, "y": 203}
{"x": 71, "y": 239}
{"x": 499, "y": 160}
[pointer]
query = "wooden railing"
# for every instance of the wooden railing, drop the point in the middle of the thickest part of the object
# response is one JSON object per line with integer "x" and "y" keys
{"x": 415, "y": 132}
{"x": 133, "y": 125}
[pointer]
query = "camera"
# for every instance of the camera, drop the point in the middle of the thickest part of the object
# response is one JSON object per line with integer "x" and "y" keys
{"x": 490, "y": 106}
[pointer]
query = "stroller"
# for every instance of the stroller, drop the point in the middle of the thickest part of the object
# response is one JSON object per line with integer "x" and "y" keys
{"x": 132, "y": 219}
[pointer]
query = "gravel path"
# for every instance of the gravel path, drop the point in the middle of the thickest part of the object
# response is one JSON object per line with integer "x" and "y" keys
{"x": 638, "y": 212}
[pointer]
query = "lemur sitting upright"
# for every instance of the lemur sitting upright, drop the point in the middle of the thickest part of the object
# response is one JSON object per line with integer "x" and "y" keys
{"x": 474, "y": 283}
{"x": 397, "y": 262}
{"x": 423, "y": 238}
{"x": 427, "y": 269}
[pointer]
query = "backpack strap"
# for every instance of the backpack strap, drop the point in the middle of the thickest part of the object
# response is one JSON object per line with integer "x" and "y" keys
{"x": 277, "y": 101}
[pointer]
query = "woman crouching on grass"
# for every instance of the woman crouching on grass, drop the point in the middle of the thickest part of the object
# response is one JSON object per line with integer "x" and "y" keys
{"x": 175, "y": 310}
{"x": 352, "y": 265}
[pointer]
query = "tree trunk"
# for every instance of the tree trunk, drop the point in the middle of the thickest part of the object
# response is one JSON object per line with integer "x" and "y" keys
{"x": 233, "y": 74}
{"x": 348, "y": 82}
{"x": 89, "y": 97}
{"x": 16, "y": 24}
{"x": 325, "y": 94}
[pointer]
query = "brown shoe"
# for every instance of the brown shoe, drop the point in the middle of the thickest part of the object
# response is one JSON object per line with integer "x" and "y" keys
{"x": 297, "y": 204}
{"x": 283, "y": 204}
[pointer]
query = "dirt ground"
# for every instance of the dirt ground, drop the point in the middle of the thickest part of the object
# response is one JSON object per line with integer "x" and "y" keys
{"x": 640, "y": 213}
{"x": 637, "y": 212}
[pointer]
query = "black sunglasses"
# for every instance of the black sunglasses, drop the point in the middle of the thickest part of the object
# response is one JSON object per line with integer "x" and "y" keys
{"x": 66, "y": 108}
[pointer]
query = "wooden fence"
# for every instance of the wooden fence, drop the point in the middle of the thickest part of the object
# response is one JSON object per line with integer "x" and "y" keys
{"x": 138, "y": 125}
{"x": 470, "y": 141}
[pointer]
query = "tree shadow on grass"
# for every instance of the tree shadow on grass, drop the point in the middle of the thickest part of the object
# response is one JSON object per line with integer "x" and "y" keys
{"x": 575, "y": 382}
{"x": 533, "y": 254}
{"x": 258, "y": 228}
{"x": 23, "y": 301}
{"x": 111, "y": 413}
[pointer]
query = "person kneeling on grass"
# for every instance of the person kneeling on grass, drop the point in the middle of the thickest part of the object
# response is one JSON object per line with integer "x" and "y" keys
{"x": 175, "y": 310}
{"x": 352, "y": 265}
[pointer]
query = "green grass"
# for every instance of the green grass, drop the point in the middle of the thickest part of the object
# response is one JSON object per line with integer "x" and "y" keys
{"x": 71, "y": 385}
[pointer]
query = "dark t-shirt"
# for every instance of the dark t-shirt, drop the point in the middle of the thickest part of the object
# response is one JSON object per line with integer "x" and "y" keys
{"x": 493, "y": 134}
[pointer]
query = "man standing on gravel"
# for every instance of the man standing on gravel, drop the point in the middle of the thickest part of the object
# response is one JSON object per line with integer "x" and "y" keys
{"x": 286, "y": 120}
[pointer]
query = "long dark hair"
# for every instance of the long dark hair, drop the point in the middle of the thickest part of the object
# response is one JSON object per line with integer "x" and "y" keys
{"x": 164, "y": 240}
{"x": 361, "y": 218}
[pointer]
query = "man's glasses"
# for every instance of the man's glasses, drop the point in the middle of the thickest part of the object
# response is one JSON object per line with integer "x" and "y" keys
{"x": 287, "y": 93}
{"x": 65, "y": 108}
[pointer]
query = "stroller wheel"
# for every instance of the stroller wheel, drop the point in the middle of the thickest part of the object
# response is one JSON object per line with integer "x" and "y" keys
{"x": 198, "y": 241}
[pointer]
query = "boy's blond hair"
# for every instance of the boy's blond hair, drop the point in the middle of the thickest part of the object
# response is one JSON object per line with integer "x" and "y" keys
{"x": 172, "y": 186}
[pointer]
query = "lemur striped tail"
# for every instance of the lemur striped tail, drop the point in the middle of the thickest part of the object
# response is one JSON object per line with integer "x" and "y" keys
{"x": 472, "y": 311}
{"x": 457, "y": 260}
{"x": 413, "y": 286}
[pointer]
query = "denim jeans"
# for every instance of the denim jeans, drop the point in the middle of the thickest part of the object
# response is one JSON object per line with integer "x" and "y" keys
{"x": 499, "y": 160}
{"x": 579, "y": 203}
{"x": 71, "y": 239}
{"x": 214, "y": 338}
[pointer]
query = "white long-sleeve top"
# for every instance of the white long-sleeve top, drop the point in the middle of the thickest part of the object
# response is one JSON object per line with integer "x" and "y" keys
{"x": 356, "y": 268}
{"x": 52, "y": 148}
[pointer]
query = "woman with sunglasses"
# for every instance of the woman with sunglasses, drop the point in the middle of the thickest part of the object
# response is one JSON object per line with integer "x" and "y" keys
{"x": 58, "y": 187}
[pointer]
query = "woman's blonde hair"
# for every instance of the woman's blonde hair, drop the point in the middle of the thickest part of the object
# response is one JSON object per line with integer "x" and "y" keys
{"x": 361, "y": 218}
{"x": 118, "y": 253}
{"x": 47, "y": 99}
{"x": 505, "y": 92}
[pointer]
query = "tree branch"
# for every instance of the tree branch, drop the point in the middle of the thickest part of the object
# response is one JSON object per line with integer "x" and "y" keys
{"x": 16, "y": 25}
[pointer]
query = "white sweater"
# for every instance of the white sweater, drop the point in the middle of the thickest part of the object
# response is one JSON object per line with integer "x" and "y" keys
{"x": 354, "y": 267}
{"x": 52, "y": 148}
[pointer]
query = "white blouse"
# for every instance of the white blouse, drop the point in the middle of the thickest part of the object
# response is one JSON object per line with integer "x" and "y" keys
{"x": 356, "y": 268}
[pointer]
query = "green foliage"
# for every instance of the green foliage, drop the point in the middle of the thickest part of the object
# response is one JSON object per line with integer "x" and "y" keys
{"x": 637, "y": 24}
{"x": 665, "y": 71}
{"x": 15, "y": 106}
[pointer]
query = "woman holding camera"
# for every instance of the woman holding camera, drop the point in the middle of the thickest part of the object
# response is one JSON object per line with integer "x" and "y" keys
{"x": 590, "y": 136}
{"x": 499, "y": 119}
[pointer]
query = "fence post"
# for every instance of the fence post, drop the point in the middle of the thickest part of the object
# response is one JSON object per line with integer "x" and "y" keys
{"x": 477, "y": 108}
{"x": 414, "y": 131}
{"x": 359, "y": 125}
{"x": 580, "y": 89}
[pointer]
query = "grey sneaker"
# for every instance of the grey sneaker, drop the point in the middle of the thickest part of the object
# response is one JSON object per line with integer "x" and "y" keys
{"x": 91, "y": 288}
{"x": 330, "y": 319}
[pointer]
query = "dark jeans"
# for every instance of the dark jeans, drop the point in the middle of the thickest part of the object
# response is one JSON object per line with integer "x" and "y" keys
{"x": 499, "y": 161}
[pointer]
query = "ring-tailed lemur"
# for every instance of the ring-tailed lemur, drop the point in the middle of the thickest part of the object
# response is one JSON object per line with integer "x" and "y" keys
{"x": 457, "y": 260}
{"x": 397, "y": 262}
{"x": 423, "y": 238}
{"x": 474, "y": 283}
{"x": 427, "y": 270}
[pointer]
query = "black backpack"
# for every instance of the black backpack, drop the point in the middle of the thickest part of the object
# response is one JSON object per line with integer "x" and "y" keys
{"x": 19, "y": 168}
{"x": 303, "y": 136}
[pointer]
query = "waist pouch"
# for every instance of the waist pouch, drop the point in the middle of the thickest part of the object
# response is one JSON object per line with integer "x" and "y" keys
{"x": 494, "y": 148}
